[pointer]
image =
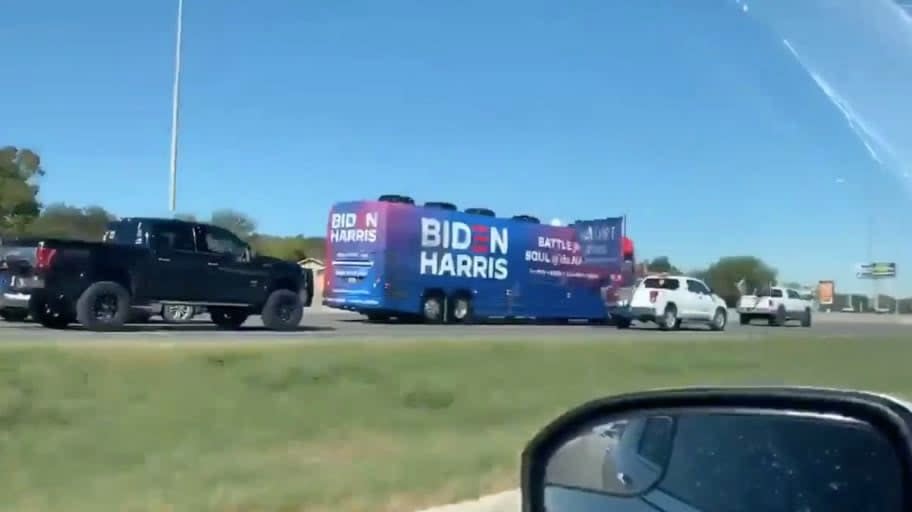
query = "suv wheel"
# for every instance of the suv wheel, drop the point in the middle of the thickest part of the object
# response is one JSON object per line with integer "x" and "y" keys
{"x": 283, "y": 311}
{"x": 719, "y": 320}
{"x": 103, "y": 306}
{"x": 669, "y": 319}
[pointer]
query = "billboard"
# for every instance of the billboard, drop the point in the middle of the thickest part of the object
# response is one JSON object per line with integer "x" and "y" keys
{"x": 825, "y": 292}
{"x": 875, "y": 270}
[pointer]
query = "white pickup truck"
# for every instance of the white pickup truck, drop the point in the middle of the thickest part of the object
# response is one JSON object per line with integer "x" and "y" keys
{"x": 777, "y": 305}
{"x": 669, "y": 300}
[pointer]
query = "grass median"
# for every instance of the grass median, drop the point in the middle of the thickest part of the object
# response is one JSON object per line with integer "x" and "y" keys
{"x": 341, "y": 427}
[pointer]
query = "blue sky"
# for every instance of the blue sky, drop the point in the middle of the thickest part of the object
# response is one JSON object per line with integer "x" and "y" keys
{"x": 693, "y": 118}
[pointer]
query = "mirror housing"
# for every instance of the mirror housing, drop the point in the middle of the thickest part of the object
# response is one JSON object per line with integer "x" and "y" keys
{"x": 602, "y": 425}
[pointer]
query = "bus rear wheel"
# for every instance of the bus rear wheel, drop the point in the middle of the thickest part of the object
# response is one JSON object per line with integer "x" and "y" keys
{"x": 461, "y": 309}
{"x": 432, "y": 308}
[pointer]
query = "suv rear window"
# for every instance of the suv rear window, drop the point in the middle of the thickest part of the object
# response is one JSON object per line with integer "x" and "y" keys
{"x": 661, "y": 283}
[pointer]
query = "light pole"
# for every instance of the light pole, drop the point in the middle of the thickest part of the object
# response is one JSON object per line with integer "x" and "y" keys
{"x": 175, "y": 108}
{"x": 869, "y": 239}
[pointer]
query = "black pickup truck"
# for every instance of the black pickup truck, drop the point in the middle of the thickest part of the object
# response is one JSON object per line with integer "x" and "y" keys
{"x": 151, "y": 262}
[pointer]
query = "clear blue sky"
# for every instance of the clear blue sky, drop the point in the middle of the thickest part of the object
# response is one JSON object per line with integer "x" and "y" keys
{"x": 693, "y": 118}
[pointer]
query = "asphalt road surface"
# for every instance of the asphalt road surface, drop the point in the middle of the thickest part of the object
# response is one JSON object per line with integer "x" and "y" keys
{"x": 320, "y": 324}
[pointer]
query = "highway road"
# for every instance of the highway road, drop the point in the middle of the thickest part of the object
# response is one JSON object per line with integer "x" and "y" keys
{"x": 320, "y": 324}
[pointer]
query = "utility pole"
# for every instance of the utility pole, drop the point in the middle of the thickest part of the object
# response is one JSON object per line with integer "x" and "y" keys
{"x": 175, "y": 108}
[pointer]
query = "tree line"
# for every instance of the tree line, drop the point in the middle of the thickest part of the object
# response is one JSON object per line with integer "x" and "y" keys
{"x": 23, "y": 215}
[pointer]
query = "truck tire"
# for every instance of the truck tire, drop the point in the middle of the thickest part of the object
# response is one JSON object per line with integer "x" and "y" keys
{"x": 103, "y": 306}
{"x": 778, "y": 318}
{"x": 719, "y": 320}
{"x": 228, "y": 318}
{"x": 14, "y": 315}
{"x": 744, "y": 319}
{"x": 806, "y": 318}
{"x": 622, "y": 323}
{"x": 283, "y": 311}
{"x": 177, "y": 313}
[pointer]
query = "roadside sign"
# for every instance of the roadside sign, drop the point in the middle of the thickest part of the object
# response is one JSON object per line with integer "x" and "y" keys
{"x": 825, "y": 292}
{"x": 876, "y": 270}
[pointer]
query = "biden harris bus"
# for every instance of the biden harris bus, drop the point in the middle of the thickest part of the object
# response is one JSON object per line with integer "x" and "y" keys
{"x": 392, "y": 258}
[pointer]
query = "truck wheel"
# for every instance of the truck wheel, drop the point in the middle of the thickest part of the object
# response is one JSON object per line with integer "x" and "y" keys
{"x": 461, "y": 311}
{"x": 178, "y": 313}
{"x": 14, "y": 315}
{"x": 806, "y": 318}
{"x": 669, "y": 319}
{"x": 228, "y": 318}
{"x": 103, "y": 306}
{"x": 744, "y": 319}
{"x": 719, "y": 320}
{"x": 778, "y": 318}
{"x": 622, "y": 323}
{"x": 432, "y": 308}
{"x": 283, "y": 311}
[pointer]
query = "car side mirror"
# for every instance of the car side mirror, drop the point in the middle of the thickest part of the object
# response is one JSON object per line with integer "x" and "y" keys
{"x": 706, "y": 449}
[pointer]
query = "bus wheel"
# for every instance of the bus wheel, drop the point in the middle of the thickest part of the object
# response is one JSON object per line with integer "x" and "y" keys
{"x": 461, "y": 311}
{"x": 432, "y": 308}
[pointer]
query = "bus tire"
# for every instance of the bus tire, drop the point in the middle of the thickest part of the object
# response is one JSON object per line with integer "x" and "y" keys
{"x": 461, "y": 308}
{"x": 432, "y": 308}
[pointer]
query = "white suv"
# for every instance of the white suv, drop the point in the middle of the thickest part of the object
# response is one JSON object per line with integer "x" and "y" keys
{"x": 669, "y": 300}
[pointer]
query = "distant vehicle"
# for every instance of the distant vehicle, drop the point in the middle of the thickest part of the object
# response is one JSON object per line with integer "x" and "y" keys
{"x": 391, "y": 258}
{"x": 670, "y": 300}
{"x": 148, "y": 262}
{"x": 777, "y": 305}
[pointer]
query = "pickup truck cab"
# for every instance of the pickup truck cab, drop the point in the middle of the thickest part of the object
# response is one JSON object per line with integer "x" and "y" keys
{"x": 777, "y": 305}
{"x": 669, "y": 300}
{"x": 151, "y": 262}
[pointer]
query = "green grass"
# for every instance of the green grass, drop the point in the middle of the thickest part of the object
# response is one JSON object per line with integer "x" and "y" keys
{"x": 340, "y": 427}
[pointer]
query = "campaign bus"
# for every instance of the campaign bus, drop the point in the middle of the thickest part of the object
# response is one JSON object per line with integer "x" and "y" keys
{"x": 393, "y": 258}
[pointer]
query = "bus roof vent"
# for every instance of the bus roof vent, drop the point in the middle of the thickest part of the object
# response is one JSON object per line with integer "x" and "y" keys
{"x": 487, "y": 212}
{"x": 442, "y": 205}
{"x": 396, "y": 198}
{"x": 527, "y": 218}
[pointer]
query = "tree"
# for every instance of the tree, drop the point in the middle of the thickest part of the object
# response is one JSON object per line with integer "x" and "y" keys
{"x": 64, "y": 221}
{"x": 725, "y": 275}
{"x": 662, "y": 264}
{"x": 20, "y": 170}
{"x": 292, "y": 248}
{"x": 238, "y": 223}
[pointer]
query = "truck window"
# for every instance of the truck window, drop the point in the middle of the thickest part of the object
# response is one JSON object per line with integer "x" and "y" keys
{"x": 792, "y": 294}
{"x": 222, "y": 241}
{"x": 661, "y": 283}
{"x": 697, "y": 287}
{"x": 774, "y": 293}
{"x": 174, "y": 237}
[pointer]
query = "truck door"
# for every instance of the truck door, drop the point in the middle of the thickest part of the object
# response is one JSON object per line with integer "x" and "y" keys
{"x": 230, "y": 278}
{"x": 173, "y": 273}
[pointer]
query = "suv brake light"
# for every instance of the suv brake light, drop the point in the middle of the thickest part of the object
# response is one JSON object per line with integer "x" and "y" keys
{"x": 43, "y": 257}
{"x": 653, "y": 295}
